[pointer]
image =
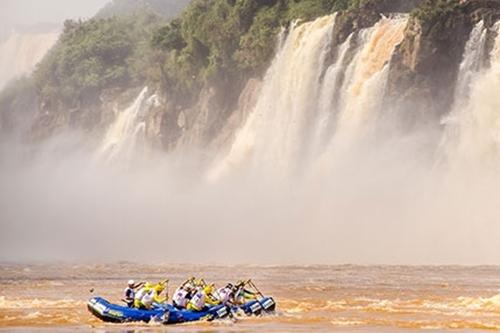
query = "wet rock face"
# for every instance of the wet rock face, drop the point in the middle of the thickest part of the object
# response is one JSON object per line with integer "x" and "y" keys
{"x": 246, "y": 102}
{"x": 352, "y": 21}
{"x": 424, "y": 67}
{"x": 161, "y": 127}
{"x": 366, "y": 16}
{"x": 489, "y": 12}
{"x": 486, "y": 10}
{"x": 197, "y": 124}
{"x": 92, "y": 118}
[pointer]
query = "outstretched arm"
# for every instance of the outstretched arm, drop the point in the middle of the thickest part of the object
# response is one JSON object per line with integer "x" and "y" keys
{"x": 137, "y": 285}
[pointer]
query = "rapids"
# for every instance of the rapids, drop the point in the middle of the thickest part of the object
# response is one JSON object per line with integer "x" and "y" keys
{"x": 323, "y": 298}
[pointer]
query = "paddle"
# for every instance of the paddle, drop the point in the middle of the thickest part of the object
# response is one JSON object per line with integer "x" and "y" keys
{"x": 165, "y": 282}
{"x": 166, "y": 288}
{"x": 190, "y": 280}
{"x": 250, "y": 282}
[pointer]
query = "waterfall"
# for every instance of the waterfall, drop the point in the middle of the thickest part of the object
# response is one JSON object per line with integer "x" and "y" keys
{"x": 472, "y": 63}
{"x": 121, "y": 138}
{"x": 362, "y": 93}
{"x": 472, "y": 133}
{"x": 275, "y": 130}
{"x": 306, "y": 102}
{"x": 21, "y": 52}
{"x": 329, "y": 92}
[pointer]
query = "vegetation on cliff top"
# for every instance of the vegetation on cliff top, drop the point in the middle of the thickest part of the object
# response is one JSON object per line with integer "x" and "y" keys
{"x": 95, "y": 54}
{"x": 165, "y": 8}
{"x": 431, "y": 10}
{"x": 127, "y": 44}
{"x": 219, "y": 40}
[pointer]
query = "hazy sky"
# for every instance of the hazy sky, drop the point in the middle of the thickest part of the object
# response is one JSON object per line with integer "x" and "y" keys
{"x": 30, "y": 12}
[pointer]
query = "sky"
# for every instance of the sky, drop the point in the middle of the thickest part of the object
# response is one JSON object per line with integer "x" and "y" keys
{"x": 32, "y": 12}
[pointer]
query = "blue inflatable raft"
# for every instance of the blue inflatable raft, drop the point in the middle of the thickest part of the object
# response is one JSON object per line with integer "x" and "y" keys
{"x": 166, "y": 314}
{"x": 256, "y": 307}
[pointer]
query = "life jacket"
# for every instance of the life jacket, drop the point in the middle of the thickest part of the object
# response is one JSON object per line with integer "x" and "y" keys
{"x": 180, "y": 297}
{"x": 148, "y": 299}
{"x": 198, "y": 301}
{"x": 140, "y": 293}
{"x": 224, "y": 294}
{"x": 242, "y": 295}
{"x": 139, "y": 296}
{"x": 129, "y": 293}
{"x": 157, "y": 298}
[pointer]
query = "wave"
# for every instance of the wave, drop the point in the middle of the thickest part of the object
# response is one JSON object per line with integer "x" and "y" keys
{"x": 459, "y": 304}
{"x": 462, "y": 312}
{"x": 38, "y": 303}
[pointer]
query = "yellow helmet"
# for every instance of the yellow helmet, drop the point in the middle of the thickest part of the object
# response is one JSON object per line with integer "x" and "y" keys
{"x": 159, "y": 287}
{"x": 148, "y": 286}
{"x": 208, "y": 289}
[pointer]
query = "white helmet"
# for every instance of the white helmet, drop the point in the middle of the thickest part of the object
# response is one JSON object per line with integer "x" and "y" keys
{"x": 131, "y": 283}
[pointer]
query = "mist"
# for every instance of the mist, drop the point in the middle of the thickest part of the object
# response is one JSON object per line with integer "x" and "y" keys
{"x": 287, "y": 190}
{"x": 31, "y": 12}
{"x": 28, "y": 29}
{"x": 383, "y": 203}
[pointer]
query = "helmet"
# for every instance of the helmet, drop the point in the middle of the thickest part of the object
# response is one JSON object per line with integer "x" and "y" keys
{"x": 209, "y": 289}
{"x": 148, "y": 286}
{"x": 229, "y": 285}
{"x": 130, "y": 283}
{"x": 159, "y": 287}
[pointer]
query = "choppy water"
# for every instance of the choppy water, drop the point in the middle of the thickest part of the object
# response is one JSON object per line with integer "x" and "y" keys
{"x": 324, "y": 298}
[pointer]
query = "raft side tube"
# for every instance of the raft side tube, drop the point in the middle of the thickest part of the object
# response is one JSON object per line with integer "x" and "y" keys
{"x": 166, "y": 314}
{"x": 252, "y": 307}
{"x": 268, "y": 304}
{"x": 113, "y": 313}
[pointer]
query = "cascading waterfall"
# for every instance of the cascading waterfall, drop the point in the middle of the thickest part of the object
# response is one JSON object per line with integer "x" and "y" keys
{"x": 303, "y": 96}
{"x": 315, "y": 126}
{"x": 472, "y": 135}
{"x": 348, "y": 107}
{"x": 362, "y": 92}
{"x": 473, "y": 62}
{"x": 122, "y": 136}
{"x": 21, "y": 52}
{"x": 327, "y": 99}
{"x": 275, "y": 129}
{"x": 463, "y": 186}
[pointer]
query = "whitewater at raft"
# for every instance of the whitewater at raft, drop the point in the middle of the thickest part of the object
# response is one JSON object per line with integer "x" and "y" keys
{"x": 168, "y": 314}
